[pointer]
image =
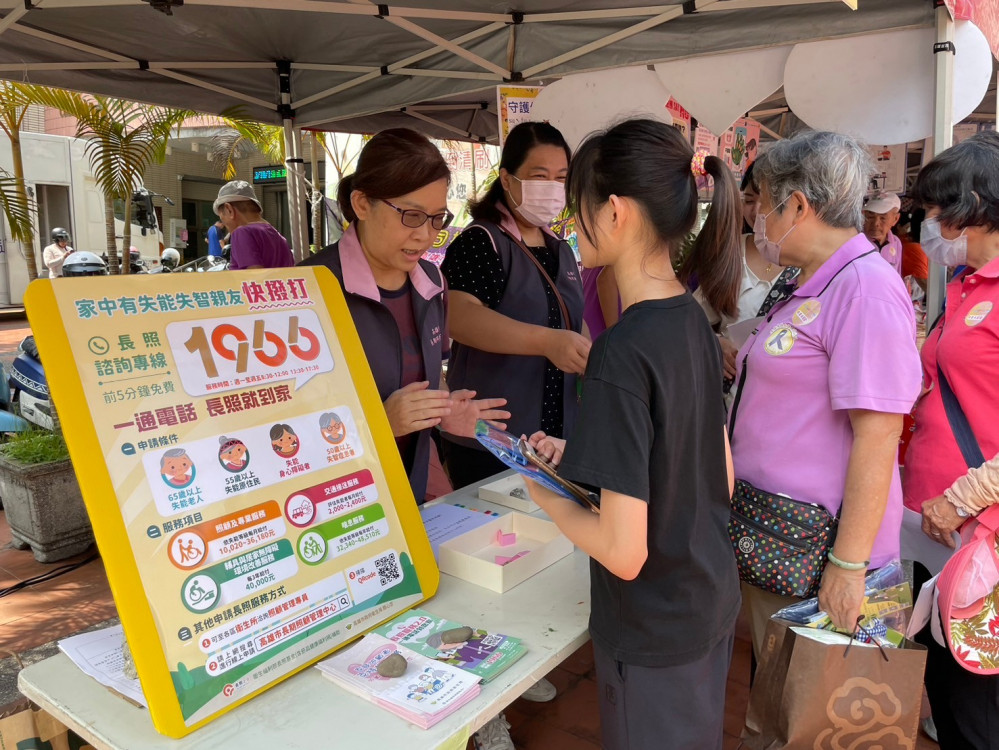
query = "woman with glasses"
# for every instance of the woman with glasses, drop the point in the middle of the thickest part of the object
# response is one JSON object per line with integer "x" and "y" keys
{"x": 396, "y": 203}
{"x": 516, "y": 300}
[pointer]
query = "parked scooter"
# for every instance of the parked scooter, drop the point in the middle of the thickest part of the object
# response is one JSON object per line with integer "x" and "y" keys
{"x": 9, "y": 421}
{"x": 204, "y": 264}
{"x": 27, "y": 388}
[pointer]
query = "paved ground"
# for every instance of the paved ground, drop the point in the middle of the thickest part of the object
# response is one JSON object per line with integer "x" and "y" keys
{"x": 31, "y": 619}
{"x": 12, "y": 332}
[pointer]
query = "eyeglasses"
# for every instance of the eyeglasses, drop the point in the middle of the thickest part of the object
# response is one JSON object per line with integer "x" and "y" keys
{"x": 415, "y": 219}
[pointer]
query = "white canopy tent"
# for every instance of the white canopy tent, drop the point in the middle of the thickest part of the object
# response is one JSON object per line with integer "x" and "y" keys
{"x": 360, "y": 66}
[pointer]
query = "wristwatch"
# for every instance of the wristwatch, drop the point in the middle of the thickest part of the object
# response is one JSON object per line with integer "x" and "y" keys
{"x": 961, "y": 512}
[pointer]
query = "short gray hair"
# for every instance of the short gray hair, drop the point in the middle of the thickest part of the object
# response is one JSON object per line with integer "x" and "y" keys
{"x": 327, "y": 420}
{"x": 830, "y": 169}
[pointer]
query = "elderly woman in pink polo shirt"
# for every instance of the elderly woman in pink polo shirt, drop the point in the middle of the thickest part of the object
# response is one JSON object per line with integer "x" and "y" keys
{"x": 827, "y": 376}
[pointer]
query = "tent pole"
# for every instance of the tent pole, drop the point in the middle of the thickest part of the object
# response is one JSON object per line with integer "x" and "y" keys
{"x": 293, "y": 160}
{"x": 303, "y": 194}
{"x": 317, "y": 208}
{"x": 292, "y": 194}
{"x": 943, "y": 135}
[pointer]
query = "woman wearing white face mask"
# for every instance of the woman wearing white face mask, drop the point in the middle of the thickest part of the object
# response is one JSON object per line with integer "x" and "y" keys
{"x": 764, "y": 284}
{"x": 839, "y": 358}
{"x": 516, "y": 300}
{"x": 947, "y": 483}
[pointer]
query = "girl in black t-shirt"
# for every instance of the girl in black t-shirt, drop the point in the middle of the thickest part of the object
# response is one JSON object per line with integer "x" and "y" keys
{"x": 650, "y": 437}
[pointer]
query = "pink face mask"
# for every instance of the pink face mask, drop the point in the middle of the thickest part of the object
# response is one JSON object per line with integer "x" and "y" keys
{"x": 769, "y": 250}
{"x": 541, "y": 201}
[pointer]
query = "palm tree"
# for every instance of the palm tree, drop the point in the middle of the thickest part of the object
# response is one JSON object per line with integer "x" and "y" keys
{"x": 237, "y": 138}
{"x": 17, "y": 208}
{"x": 123, "y": 138}
{"x": 15, "y": 98}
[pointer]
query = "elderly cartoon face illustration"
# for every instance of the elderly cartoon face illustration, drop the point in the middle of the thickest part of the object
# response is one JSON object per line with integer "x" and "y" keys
{"x": 177, "y": 468}
{"x": 332, "y": 427}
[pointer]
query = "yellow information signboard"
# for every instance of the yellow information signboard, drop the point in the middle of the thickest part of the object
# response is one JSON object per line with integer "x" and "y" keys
{"x": 245, "y": 489}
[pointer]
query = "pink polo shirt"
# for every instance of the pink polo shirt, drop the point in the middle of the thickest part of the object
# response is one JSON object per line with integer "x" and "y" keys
{"x": 892, "y": 252}
{"x": 967, "y": 342}
{"x": 845, "y": 340}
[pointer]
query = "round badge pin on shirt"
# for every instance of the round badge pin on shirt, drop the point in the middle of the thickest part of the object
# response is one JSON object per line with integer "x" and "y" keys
{"x": 806, "y": 312}
{"x": 977, "y": 314}
{"x": 780, "y": 340}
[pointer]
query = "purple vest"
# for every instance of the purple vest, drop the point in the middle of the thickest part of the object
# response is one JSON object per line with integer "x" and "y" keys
{"x": 379, "y": 333}
{"x": 520, "y": 379}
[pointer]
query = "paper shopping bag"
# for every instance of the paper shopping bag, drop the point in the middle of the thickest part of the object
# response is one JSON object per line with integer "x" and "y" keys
{"x": 23, "y": 726}
{"x": 822, "y": 696}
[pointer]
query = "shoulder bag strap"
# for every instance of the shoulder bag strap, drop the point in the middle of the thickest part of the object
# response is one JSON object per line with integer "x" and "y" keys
{"x": 780, "y": 290}
{"x": 742, "y": 375}
{"x": 957, "y": 419}
{"x": 566, "y": 320}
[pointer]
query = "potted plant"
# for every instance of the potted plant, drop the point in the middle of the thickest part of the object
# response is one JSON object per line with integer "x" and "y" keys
{"x": 42, "y": 497}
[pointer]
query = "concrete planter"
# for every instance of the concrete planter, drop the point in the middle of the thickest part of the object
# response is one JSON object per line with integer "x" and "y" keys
{"x": 44, "y": 508}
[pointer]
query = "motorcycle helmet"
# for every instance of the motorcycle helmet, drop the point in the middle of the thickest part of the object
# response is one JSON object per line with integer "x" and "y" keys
{"x": 83, "y": 263}
{"x": 59, "y": 235}
{"x": 170, "y": 259}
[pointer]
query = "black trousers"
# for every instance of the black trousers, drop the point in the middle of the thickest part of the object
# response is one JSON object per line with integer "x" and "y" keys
{"x": 465, "y": 466}
{"x": 965, "y": 705}
{"x": 664, "y": 708}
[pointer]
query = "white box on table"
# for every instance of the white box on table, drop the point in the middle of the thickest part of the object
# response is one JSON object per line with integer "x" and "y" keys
{"x": 471, "y": 556}
{"x": 499, "y": 492}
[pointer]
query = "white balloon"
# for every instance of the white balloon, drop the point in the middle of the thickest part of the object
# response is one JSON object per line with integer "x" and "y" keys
{"x": 880, "y": 87}
{"x": 587, "y": 102}
{"x": 719, "y": 89}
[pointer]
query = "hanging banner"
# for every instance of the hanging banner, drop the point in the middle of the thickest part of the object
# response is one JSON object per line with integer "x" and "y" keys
{"x": 244, "y": 486}
{"x": 706, "y": 140}
{"x": 739, "y": 146}
{"x": 983, "y": 13}
{"x": 889, "y": 168}
{"x": 472, "y": 165}
{"x": 681, "y": 117}
{"x": 514, "y": 105}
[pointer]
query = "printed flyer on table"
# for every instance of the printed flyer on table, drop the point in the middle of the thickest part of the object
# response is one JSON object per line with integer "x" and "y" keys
{"x": 260, "y": 519}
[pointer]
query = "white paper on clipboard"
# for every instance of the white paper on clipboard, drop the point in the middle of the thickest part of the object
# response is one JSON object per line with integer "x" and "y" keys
{"x": 739, "y": 332}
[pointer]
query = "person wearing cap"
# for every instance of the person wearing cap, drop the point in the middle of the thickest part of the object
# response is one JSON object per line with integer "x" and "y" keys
{"x": 255, "y": 243}
{"x": 880, "y": 216}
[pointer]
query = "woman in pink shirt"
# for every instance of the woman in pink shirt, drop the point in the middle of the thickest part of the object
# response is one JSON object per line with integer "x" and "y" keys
{"x": 960, "y": 191}
{"x": 829, "y": 372}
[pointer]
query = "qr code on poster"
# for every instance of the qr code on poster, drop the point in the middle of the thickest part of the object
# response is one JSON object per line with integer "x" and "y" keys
{"x": 388, "y": 569}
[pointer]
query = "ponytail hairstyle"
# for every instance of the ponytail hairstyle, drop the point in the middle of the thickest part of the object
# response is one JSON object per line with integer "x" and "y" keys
{"x": 516, "y": 148}
{"x": 395, "y": 162}
{"x": 650, "y": 162}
